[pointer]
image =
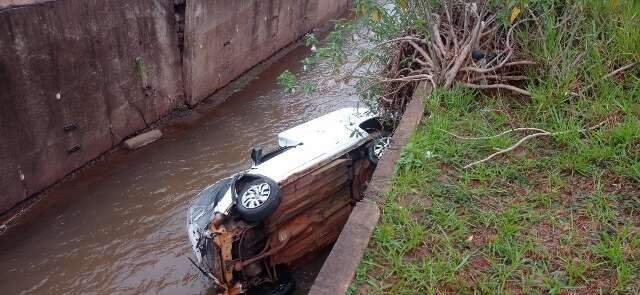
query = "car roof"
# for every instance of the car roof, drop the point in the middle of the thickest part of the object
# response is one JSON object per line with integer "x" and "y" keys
{"x": 316, "y": 142}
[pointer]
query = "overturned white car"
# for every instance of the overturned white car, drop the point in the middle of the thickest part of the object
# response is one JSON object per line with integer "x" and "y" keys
{"x": 247, "y": 230}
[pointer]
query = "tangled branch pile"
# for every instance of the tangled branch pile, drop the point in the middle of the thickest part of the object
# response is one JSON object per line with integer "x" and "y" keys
{"x": 459, "y": 43}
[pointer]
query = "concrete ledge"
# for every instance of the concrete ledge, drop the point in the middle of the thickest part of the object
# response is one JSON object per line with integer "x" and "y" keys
{"x": 381, "y": 179}
{"x": 335, "y": 275}
{"x": 142, "y": 139}
{"x": 341, "y": 264}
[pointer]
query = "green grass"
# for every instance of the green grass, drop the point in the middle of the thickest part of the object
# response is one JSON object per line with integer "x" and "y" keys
{"x": 523, "y": 223}
{"x": 560, "y": 214}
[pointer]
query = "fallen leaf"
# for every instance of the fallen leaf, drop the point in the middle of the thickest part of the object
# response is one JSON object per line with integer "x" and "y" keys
{"x": 615, "y": 3}
{"x": 515, "y": 11}
{"x": 404, "y": 4}
{"x": 375, "y": 15}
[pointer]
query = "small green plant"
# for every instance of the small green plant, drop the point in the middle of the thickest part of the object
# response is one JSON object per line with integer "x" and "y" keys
{"x": 310, "y": 40}
{"x": 308, "y": 87}
{"x": 576, "y": 269}
{"x": 287, "y": 81}
{"x": 142, "y": 72}
{"x": 181, "y": 107}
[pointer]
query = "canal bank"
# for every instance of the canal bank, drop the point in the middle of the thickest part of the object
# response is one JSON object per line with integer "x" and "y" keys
{"x": 118, "y": 227}
{"x": 79, "y": 77}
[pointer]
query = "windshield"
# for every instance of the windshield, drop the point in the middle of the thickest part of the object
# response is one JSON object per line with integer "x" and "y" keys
{"x": 201, "y": 208}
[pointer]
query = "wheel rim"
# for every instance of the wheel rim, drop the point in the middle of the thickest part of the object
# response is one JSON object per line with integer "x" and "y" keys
{"x": 256, "y": 195}
{"x": 380, "y": 146}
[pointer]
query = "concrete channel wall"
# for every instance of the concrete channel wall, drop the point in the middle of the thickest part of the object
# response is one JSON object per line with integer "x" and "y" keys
{"x": 79, "y": 76}
{"x": 224, "y": 38}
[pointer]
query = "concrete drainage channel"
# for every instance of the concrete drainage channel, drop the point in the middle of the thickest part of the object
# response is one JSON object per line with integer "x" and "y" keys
{"x": 340, "y": 266}
{"x": 103, "y": 71}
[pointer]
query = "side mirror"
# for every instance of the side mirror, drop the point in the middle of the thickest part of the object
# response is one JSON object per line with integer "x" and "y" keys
{"x": 256, "y": 155}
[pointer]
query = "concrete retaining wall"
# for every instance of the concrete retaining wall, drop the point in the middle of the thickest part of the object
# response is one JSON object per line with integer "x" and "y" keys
{"x": 224, "y": 38}
{"x": 71, "y": 88}
{"x": 79, "y": 76}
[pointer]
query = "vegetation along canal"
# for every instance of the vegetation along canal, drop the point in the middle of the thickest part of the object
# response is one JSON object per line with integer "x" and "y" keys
{"x": 118, "y": 227}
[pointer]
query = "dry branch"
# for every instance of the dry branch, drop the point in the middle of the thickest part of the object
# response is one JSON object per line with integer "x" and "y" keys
{"x": 521, "y": 141}
{"x": 493, "y": 136}
{"x": 541, "y": 132}
{"x": 607, "y": 76}
{"x": 464, "y": 54}
{"x": 509, "y": 64}
{"x": 461, "y": 44}
{"x": 496, "y": 86}
{"x": 621, "y": 69}
{"x": 498, "y": 77}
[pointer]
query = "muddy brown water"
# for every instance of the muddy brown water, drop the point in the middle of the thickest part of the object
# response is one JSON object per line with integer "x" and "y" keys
{"x": 118, "y": 227}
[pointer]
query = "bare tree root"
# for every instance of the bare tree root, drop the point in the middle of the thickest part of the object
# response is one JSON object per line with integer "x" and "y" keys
{"x": 460, "y": 44}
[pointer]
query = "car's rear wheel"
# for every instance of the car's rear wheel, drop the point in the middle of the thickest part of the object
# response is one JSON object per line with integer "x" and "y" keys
{"x": 258, "y": 199}
{"x": 378, "y": 147}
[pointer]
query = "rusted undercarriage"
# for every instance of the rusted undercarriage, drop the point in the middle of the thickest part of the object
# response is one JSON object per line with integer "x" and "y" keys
{"x": 315, "y": 205}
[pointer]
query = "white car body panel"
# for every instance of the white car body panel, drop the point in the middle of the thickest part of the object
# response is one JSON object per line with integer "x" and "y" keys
{"x": 312, "y": 143}
{"x": 316, "y": 141}
{"x": 309, "y": 146}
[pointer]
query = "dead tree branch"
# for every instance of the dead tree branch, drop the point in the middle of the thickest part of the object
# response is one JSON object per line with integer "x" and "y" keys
{"x": 496, "y": 86}
{"x": 541, "y": 132}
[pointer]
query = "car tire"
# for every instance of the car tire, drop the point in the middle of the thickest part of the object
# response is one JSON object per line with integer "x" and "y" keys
{"x": 378, "y": 147}
{"x": 258, "y": 199}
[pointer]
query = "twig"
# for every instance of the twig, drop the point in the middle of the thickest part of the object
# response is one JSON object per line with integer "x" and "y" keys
{"x": 535, "y": 19}
{"x": 453, "y": 33}
{"x": 436, "y": 37}
{"x": 407, "y": 78}
{"x": 496, "y": 86}
{"x": 509, "y": 48}
{"x": 524, "y": 139}
{"x": 509, "y": 64}
{"x": 578, "y": 59}
{"x": 508, "y": 149}
{"x": 464, "y": 54}
{"x": 493, "y": 136}
{"x": 422, "y": 52}
{"x": 499, "y": 77}
{"x": 613, "y": 73}
{"x": 609, "y": 75}
{"x": 421, "y": 62}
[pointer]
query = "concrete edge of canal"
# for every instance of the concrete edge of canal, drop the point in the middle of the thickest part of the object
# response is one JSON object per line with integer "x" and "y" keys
{"x": 339, "y": 268}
